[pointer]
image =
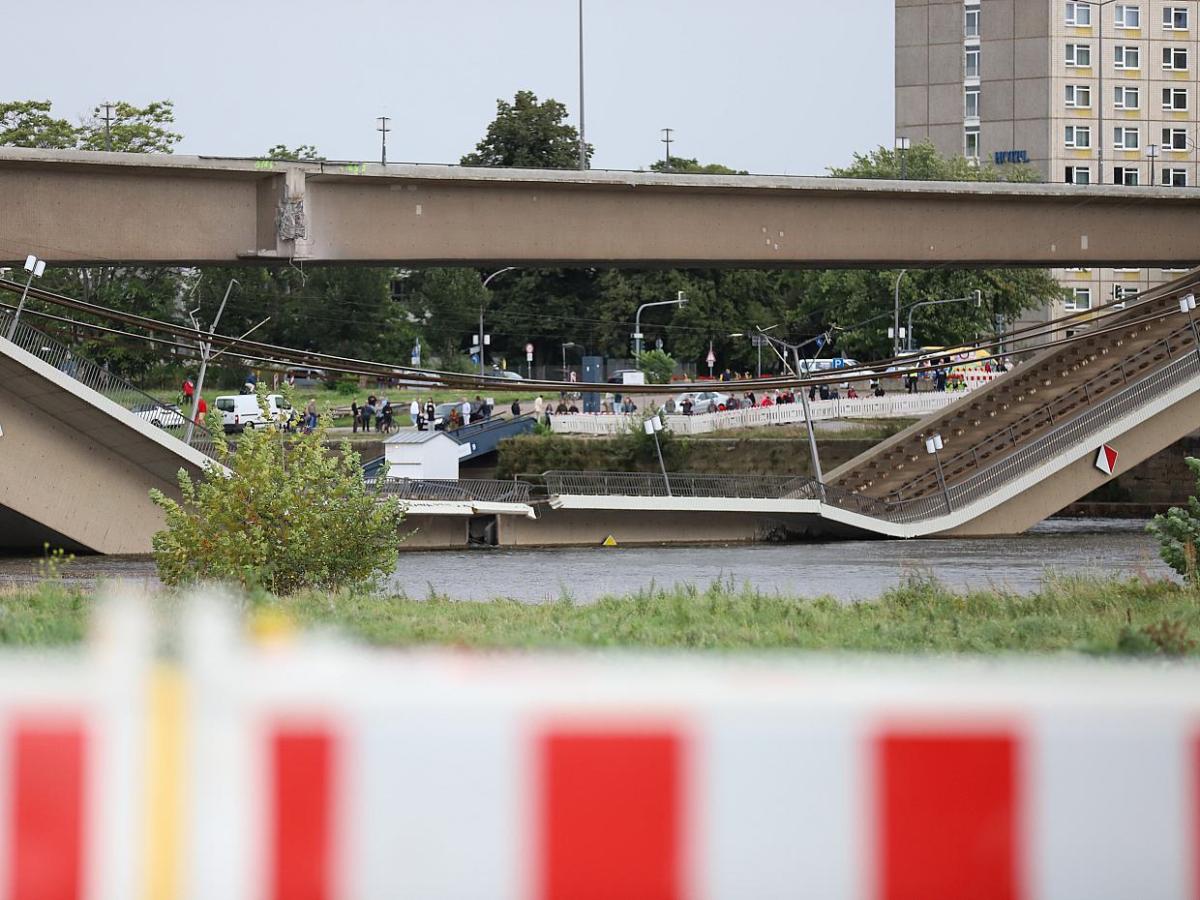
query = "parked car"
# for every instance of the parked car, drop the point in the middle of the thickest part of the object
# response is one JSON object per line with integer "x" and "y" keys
{"x": 507, "y": 374}
{"x": 306, "y": 378}
{"x": 241, "y": 411}
{"x": 627, "y": 376}
{"x": 160, "y": 416}
{"x": 701, "y": 401}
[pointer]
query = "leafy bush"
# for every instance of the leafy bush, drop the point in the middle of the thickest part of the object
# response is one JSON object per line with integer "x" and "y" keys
{"x": 1178, "y": 533}
{"x": 658, "y": 365}
{"x": 287, "y": 515}
{"x": 347, "y": 387}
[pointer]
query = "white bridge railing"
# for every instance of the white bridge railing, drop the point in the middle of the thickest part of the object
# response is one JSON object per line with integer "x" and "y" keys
{"x": 893, "y": 406}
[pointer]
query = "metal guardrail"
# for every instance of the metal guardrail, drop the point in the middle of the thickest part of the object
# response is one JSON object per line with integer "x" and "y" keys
{"x": 466, "y": 489}
{"x": 648, "y": 484}
{"x": 100, "y": 379}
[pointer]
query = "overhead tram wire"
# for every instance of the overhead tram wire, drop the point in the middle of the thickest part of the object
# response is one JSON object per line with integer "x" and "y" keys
{"x": 313, "y": 358}
{"x": 282, "y": 356}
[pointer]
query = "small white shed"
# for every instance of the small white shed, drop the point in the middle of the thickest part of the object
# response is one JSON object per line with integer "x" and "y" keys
{"x": 423, "y": 454}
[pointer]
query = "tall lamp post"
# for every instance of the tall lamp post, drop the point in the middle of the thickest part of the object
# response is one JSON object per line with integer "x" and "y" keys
{"x": 666, "y": 139}
{"x": 35, "y": 267}
{"x": 582, "y": 352}
{"x": 1151, "y": 155}
{"x": 679, "y": 300}
{"x": 1099, "y": 7}
{"x": 582, "y": 140}
{"x": 896, "y": 315}
{"x": 383, "y": 133}
{"x": 482, "y": 303}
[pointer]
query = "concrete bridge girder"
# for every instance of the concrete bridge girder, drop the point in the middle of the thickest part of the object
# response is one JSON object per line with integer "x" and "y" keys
{"x": 75, "y": 207}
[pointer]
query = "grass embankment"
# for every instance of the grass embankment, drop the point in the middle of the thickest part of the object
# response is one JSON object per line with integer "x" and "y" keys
{"x": 1070, "y": 614}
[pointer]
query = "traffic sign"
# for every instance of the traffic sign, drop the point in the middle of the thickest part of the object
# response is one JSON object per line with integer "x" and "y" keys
{"x": 1106, "y": 459}
{"x": 758, "y": 340}
{"x": 711, "y": 358}
{"x": 839, "y": 362}
{"x": 529, "y": 348}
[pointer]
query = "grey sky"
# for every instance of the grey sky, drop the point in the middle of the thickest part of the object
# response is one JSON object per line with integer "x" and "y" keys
{"x": 770, "y": 86}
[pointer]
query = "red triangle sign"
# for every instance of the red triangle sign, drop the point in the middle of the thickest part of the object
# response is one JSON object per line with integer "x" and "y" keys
{"x": 1106, "y": 460}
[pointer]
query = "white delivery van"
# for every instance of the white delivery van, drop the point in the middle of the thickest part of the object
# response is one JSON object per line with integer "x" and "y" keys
{"x": 241, "y": 411}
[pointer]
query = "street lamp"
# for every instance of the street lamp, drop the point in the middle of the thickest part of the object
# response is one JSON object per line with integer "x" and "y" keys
{"x": 1187, "y": 304}
{"x": 582, "y": 353}
{"x": 383, "y": 133}
{"x": 902, "y": 145}
{"x": 653, "y": 426}
{"x": 933, "y": 444}
{"x": 977, "y": 296}
{"x": 35, "y": 267}
{"x": 896, "y": 315}
{"x": 482, "y": 337}
{"x": 582, "y": 141}
{"x": 679, "y": 300}
{"x": 757, "y": 340}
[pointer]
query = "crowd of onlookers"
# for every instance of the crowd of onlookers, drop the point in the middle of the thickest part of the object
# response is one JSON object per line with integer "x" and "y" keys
{"x": 376, "y": 414}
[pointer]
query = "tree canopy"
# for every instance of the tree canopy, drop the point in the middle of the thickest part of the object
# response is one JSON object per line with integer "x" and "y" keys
{"x": 529, "y": 133}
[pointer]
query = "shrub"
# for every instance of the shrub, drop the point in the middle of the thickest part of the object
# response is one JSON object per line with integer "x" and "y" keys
{"x": 658, "y": 366}
{"x": 1178, "y": 533}
{"x": 286, "y": 515}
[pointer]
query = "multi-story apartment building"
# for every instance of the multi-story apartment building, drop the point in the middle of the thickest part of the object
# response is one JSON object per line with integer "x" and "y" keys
{"x": 1087, "y": 92}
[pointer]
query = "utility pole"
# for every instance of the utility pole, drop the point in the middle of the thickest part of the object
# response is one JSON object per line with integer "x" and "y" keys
{"x": 205, "y": 350}
{"x": 108, "y": 120}
{"x": 666, "y": 139}
{"x": 383, "y": 133}
{"x": 582, "y": 139}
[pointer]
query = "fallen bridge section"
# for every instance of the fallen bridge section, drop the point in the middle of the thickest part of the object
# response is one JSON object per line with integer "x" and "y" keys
{"x": 77, "y": 466}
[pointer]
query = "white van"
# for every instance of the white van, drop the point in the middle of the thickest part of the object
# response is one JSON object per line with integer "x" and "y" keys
{"x": 241, "y": 411}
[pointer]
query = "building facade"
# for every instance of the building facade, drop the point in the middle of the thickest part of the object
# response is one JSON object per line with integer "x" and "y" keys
{"x": 1086, "y": 92}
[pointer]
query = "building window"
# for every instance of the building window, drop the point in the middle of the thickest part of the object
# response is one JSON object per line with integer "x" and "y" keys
{"x": 1079, "y": 14}
{"x": 1175, "y": 99}
{"x": 1079, "y": 175}
{"x": 1125, "y": 16}
{"x": 971, "y": 103}
{"x": 1079, "y": 298}
{"x": 971, "y": 143}
{"x": 1175, "y": 58}
{"x": 1079, "y": 96}
{"x": 1175, "y": 18}
{"x": 1079, "y": 56}
{"x": 1174, "y": 177}
{"x": 1126, "y": 175}
{"x": 1126, "y": 138}
{"x": 971, "y": 22}
{"x": 972, "y": 62}
{"x": 1126, "y": 57}
{"x": 1127, "y": 97}
{"x": 1078, "y": 136}
{"x": 1174, "y": 139}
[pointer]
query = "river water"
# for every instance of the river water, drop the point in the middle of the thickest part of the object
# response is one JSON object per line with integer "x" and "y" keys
{"x": 848, "y": 570}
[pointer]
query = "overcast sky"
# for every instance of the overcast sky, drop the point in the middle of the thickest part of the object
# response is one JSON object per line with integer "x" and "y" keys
{"x": 771, "y": 86}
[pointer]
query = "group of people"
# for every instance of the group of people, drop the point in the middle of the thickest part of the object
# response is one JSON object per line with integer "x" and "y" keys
{"x": 375, "y": 414}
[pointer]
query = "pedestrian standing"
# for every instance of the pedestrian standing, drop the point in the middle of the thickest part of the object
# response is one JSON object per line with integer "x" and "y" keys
{"x": 414, "y": 413}
{"x": 354, "y": 414}
{"x": 465, "y": 411}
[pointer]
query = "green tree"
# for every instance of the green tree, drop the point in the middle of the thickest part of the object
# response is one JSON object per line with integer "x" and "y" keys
{"x": 290, "y": 516}
{"x": 304, "y": 152}
{"x": 444, "y": 306}
{"x": 658, "y": 366}
{"x": 680, "y": 166}
{"x": 28, "y": 123}
{"x": 528, "y": 133}
{"x": 133, "y": 129}
{"x": 922, "y": 162}
{"x": 1178, "y": 533}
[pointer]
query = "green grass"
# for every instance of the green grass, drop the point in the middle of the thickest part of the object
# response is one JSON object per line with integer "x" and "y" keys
{"x": 1070, "y": 614}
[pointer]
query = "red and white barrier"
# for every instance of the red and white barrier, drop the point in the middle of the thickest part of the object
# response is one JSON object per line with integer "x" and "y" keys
{"x": 316, "y": 769}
